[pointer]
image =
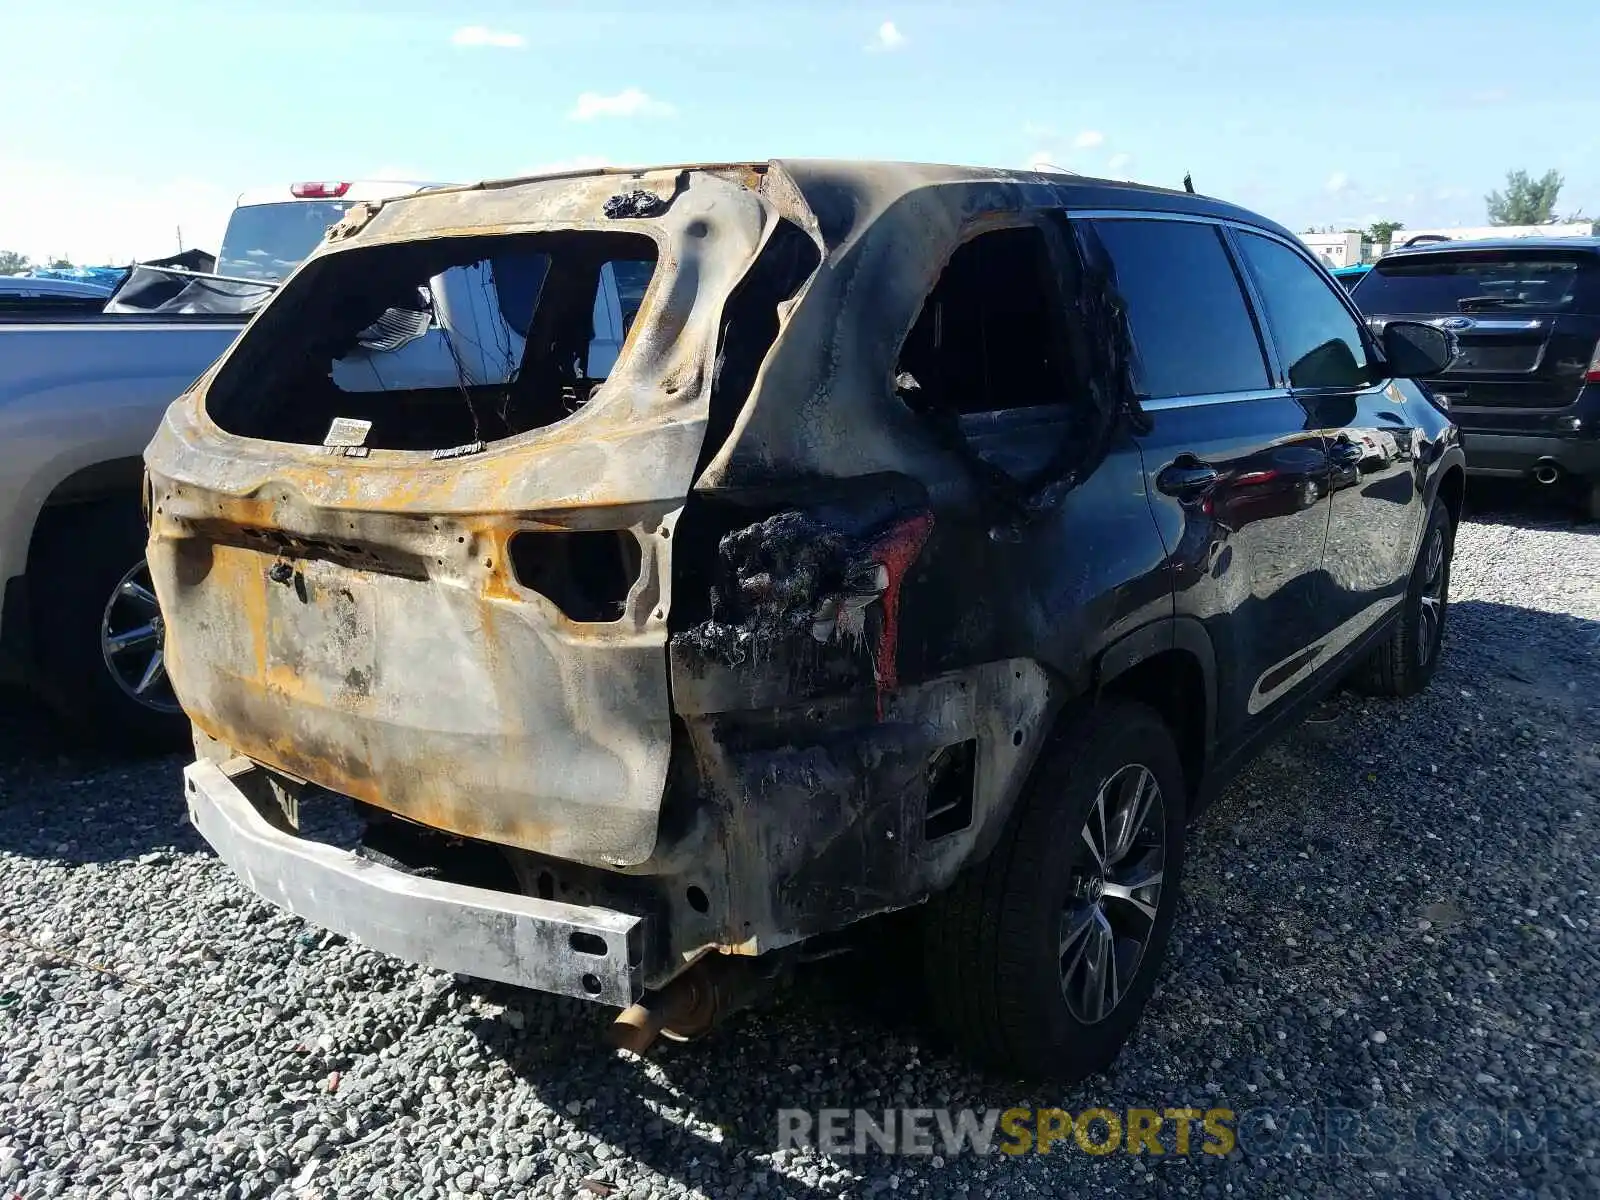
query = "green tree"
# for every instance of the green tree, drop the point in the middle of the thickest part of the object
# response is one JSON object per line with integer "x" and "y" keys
{"x": 60, "y": 264}
{"x": 11, "y": 262}
{"x": 1382, "y": 232}
{"x": 1525, "y": 201}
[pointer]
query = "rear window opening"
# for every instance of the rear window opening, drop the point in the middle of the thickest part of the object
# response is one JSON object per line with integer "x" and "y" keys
{"x": 437, "y": 345}
{"x": 998, "y": 364}
{"x": 588, "y": 576}
{"x": 1480, "y": 282}
{"x": 989, "y": 334}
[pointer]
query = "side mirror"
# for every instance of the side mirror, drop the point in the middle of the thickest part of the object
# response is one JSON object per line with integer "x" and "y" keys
{"x": 1417, "y": 351}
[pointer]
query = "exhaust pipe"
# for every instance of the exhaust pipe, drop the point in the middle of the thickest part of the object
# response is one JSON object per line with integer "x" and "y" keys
{"x": 688, "y": 1006}
{"x": 1546, "y": 473}
{"x": 692, "y": 1004}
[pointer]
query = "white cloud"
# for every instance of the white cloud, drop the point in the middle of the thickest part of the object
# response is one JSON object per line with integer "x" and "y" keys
{"x": 887, "y": 38}
{"x": 1037, "y": 129}
{"x": 630, "y": 102}
{"x": 479, "y": 36}
{"x": 1089, "y": 139}
{"x": 1117, "y": 166}
{"x": 1338, "y": 183}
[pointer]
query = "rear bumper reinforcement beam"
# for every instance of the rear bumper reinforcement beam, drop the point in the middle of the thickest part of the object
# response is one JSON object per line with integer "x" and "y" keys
{"x": 571, "y": 950}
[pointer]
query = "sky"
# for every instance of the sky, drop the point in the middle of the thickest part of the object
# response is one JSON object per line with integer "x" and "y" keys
{"x": 123, "y": 123}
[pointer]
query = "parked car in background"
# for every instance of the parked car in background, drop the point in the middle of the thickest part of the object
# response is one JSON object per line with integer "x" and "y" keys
{"x": 1351, "y": 275}
{"x": 1525, "y": 388}
{"x": 934, "y": 535}
{"x": 33, "y": 294}
{"x": 106, "y": 277}
{"x": 273, "y": 229}
{"x": 84, "y": 379}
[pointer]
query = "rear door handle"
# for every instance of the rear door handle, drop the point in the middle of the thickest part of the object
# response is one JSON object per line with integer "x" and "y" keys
{"x": 1186, "y": 476}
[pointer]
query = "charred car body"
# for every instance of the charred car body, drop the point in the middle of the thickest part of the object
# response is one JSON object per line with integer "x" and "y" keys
{"x": 936, "y": 533}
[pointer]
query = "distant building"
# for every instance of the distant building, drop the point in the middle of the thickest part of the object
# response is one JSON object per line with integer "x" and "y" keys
{"x": 1334, "y": 249}
{"x": 1575, "y": 229}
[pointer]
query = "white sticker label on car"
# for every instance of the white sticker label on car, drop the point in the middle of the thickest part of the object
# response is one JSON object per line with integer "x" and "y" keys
{"x": 347, "y": 431}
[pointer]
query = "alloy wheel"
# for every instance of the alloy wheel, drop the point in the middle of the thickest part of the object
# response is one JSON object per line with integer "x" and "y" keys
{"x": 133, "y": 639}
{"x": 1431, "y": 617}
{"x": 1115, "y": 893}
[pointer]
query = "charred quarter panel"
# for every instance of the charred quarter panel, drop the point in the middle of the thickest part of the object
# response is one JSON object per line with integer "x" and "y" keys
{"x": 1034, "y": 548}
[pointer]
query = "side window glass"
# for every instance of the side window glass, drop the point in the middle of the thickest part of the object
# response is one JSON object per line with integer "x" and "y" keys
{"x": 617, "y": 300}
{"x": 1192, "y": 330}
{"x": 1318, "y": 340}
{"x": 990, "y": 335}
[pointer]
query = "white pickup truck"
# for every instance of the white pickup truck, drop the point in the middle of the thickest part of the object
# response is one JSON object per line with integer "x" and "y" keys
{"x": 81, "y": 393}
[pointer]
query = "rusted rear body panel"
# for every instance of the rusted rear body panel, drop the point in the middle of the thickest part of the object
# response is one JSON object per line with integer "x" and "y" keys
{"x": 401, "y": 663}
{"x": 744, "y": 772}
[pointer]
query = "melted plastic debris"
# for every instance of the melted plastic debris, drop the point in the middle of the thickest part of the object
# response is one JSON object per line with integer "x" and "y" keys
{"x": 637, "y": 203}
{"x": 792, "y": 575}
{"x": 778, "y": 574}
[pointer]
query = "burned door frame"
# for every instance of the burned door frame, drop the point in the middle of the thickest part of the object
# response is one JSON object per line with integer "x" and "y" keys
{"x": 1058, "y": 618}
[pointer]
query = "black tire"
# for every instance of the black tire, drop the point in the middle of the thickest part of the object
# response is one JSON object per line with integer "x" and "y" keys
{"x": 993, "y": 942}
{"x": 81, "y": 554}
{"x": 1404, "y": 663}
{"x": 1590, "y": 502}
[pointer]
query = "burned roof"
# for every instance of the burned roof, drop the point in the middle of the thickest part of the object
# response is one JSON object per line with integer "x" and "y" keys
{"x": 843, "y": 195}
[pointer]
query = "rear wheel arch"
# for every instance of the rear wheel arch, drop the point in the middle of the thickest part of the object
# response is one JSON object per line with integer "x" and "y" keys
{"x": 86, "y": 546}
{"x": 110, "y": 480}
{"x": 994, "y": 984}
{"x": 1452, "y": 492}
{"x": 1170, "y": 667}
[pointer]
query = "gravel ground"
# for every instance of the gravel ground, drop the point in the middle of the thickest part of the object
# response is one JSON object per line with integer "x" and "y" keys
{"x": 1393, "y": 910}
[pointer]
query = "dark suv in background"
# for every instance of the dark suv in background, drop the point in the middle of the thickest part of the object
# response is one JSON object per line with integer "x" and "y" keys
{"x": 1525, "y": 389}
{"x": 939, "y": 536}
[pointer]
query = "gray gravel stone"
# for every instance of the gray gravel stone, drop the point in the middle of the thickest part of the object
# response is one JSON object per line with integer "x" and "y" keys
{"x": 1398, "y": 911}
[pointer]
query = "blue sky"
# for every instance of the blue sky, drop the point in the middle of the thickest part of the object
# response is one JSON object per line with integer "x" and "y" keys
{"x": 124, "y": 120}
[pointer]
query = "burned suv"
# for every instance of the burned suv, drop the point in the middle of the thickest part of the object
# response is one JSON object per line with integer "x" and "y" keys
{"x": 676, "y": 567}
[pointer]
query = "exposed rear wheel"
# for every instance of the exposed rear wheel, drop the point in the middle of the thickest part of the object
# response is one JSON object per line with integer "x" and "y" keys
{"x": 1040, "y": 959}
{"x": 98, "y": 628}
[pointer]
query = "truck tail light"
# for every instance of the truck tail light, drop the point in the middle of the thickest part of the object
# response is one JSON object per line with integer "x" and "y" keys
{"x": 318, "y": 190}
{"x": 1592, "y": 375}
